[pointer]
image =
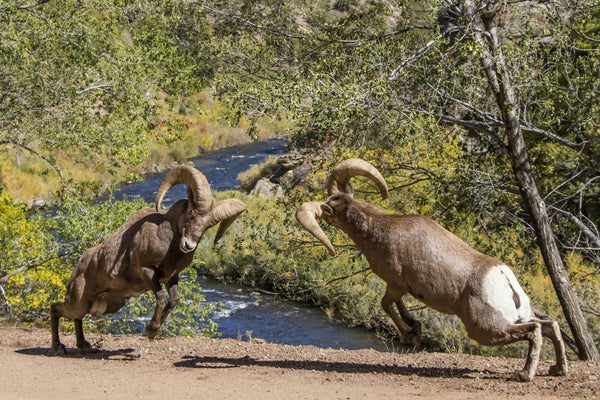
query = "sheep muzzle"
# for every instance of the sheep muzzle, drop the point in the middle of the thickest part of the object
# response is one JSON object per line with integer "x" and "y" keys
{"x": 186, "y": 245}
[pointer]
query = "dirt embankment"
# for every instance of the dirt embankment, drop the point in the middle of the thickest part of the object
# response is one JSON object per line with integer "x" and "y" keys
{"x": 128, "y": 366}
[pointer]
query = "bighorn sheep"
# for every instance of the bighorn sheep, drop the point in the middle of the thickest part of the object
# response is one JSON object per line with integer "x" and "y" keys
{"x": 413, "y": 254}
{"x": 151, "y": 248}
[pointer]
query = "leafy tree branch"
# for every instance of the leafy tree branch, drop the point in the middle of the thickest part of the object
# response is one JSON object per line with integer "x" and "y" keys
{"x": 31, "y": 264}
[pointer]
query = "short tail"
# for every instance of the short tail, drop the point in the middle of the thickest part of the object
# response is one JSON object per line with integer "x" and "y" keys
{"x": 540, "y": 315}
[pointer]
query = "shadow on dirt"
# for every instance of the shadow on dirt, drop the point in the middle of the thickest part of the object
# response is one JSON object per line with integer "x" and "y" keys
{"x": 224, "y": 362}
{"x": 116, "y": 355}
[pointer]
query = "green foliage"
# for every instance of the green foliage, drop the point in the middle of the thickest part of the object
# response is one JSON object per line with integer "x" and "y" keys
{"x": 85, "y": 224}
{"x": 57, "y": 81}
{"x": 27, "y": 243}
{"x": 94, "y": 90}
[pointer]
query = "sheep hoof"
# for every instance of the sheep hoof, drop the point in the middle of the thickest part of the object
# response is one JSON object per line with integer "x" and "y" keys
{"x": 416, "y": 341}
{"x": 557, "y": 370}
{"x": 59, "y": 350}
{"x": 85, "y": 347}
{"x": 521, "y": 376}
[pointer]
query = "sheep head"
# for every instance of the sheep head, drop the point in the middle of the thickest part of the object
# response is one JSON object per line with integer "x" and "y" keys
{"x": 202, "y": 210}
{"x": 338, "y": 186}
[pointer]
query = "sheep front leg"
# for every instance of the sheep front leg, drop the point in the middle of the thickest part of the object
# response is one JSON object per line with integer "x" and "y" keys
{"x": 407, "y": 331}
{"x": 161, "y": 297}
{"x": 172, "y": 288}
{"x": 409, "y": 319}
{"x": 162, "y": 311}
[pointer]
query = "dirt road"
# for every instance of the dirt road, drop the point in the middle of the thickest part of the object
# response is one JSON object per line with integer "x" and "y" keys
{"x": 130, "y": 367}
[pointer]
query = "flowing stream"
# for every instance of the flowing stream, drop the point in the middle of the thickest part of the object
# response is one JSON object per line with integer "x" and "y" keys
{"x": 247, "y": 313}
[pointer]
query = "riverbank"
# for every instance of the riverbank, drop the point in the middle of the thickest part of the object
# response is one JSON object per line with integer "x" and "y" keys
{"x": 128, "y": 366}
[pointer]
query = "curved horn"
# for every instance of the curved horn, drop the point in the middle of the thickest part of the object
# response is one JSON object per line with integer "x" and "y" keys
{"x": 339, "y": 180}
{"x": 226, "y": 211}
{"x": 307, "y": 215}
{"x": 198, "y": 188}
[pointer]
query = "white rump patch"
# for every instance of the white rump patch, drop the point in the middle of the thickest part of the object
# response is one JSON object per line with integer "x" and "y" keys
{"x": 500, "y": 287}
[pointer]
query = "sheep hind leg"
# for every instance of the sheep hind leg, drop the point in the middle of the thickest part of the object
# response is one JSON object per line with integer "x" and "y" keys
{"x": 407, "y": 331}
{"x": 532, "y": 332}
{"x": 551, "y": 330}
{"x": 82, "y": 344}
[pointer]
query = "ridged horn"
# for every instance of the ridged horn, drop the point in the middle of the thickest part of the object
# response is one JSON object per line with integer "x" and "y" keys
{"x": 339, "y": 180}
{"x": 198, "y": 188}
{"x": 307, "y": 215}
{"x": 226, "y": 211}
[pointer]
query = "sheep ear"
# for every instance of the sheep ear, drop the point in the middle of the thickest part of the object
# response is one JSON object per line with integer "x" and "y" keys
{"x": 226, "y": 211}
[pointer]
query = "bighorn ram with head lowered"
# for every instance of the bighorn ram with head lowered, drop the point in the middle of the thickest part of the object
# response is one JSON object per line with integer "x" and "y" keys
{"x": 150, "y": 249}
{"x": 413, "y": 254}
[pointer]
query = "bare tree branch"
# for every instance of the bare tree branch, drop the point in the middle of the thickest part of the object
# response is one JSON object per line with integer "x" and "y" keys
{"x": 95, "y": 87}
{"x": 420, "y": 52}
{"x": 483, "y": 127}
{"x": 478, "y": 126}
{"x": 583, "y": 148}
{"x": 584, "y": 228}
{"x": 591, "y": 311}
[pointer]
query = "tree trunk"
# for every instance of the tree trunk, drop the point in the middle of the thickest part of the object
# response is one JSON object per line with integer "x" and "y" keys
{"x": 506, "y": 99}
{"x": 547, "y": 244}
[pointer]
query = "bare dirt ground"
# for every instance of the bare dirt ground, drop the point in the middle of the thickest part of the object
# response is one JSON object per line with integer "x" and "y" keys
{"x": 127, "y": 367}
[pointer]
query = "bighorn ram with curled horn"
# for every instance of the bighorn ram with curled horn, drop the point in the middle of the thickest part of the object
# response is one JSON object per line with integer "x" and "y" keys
{"x": 150, "y": 249}
{"x": 413, "y": 254}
